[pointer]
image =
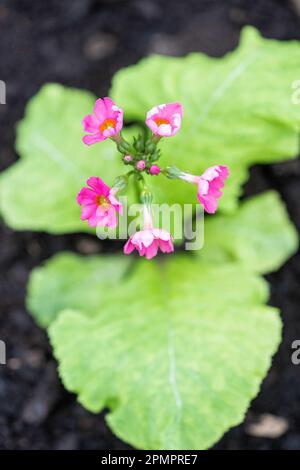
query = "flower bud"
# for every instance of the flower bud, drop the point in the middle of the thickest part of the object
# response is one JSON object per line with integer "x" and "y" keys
{"x": 146, "y": 197}
{"x": 172, "y": 172}
{"x": 141, "y": 164}
{"x": 123, "y": 146}
{"x": 127, "y": 158}
{"x": 150, "y": 147}
{"x": 139, "y": 143}
{"x": 154, "y": 170}
{"x": 120, "y": 183}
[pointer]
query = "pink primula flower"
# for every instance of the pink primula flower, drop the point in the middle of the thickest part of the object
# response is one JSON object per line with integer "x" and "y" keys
{"x": 99, "y": 204}
{"x": 165, "y": 119}
{"x": 209, "y": 186}
{"x": 150, "y": 239}
{"x": 106, "y": 121}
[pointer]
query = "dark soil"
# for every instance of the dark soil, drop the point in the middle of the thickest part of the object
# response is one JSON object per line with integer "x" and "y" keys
{"x": 82, "y": 43}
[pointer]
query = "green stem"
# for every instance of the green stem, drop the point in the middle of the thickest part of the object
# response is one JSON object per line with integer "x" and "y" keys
{"x": 138, "y": 190}
{"x": 155, "y": 138}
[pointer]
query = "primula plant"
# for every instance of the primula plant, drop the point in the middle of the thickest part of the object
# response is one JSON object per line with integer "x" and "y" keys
{"x": 177, "y": 347}
{"x": 99, "y": 203}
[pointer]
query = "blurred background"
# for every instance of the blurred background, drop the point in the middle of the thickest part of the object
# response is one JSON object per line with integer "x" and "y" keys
{"x": 81, "y": 43}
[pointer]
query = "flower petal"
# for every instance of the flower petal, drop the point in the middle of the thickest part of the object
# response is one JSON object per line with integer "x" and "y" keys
{"x": 98, "y": 185}
{"x": 129, "y": 247}
{"x": 91, "y": 124}
{"x": 86, "y": 196}
{"x": 143, "y": 238}
{"x": 88, "y": 210}
{"x": 152, "y": 249}
{"x": 92, "y": 138}
{"x": 166, "y": 246}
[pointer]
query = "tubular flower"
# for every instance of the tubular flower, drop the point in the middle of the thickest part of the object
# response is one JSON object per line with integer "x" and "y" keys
{"x": 164, "y": 120}
{"x": 106, "y": 121}
{"x": 99, "y": 204}
{"x": 209, "y": 186}
{"x": 150, "y": 239}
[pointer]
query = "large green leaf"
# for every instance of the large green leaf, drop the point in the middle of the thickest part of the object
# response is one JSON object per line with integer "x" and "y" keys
{"x": 238, "y": 109}
{"x": 259, "y": 235}
{"x": 69, "y": 281}
{"x": 175, "y": 349}
{"x": 39, "y": 191}
{"x": 177, "y": 365}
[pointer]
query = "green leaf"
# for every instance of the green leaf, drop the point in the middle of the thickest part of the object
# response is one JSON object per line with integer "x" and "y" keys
{"x": 71, "y": 281}
{"x": 177, "y": 365}
{"x": 177, "y": 349}
{"x": 238, "y": 110}
{"x": 236, "y": 113}
{"x": 259, "y": 235}
{"x": 39, "y": 191}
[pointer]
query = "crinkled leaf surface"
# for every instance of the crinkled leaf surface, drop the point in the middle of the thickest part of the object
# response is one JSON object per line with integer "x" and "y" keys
{"x": 39, "y": 191}
{"x": 178, "y": 364}
{"x": 258, "y": 235}
{"x": 71, "y": 281}
{"x": 175, "y": 349}
{"x": 238, "y": 109}
{"x": 174, "y": 379}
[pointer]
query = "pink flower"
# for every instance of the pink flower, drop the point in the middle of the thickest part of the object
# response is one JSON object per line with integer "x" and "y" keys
{"x": 106, "y": 121}
{"x": 154, "y": 170}
{"x": 209, "y": 186}
{"x": 165, "y": 119}
{"x": 149, "y": 240}
{"x": 99, "y": 205}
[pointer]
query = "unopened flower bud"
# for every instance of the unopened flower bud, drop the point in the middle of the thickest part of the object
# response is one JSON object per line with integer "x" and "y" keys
{"x": 141, "y": 164}
{"x": 172, "y": 172}
{"x": 120, "y": 183}
{"x": 154, "y": 170}
{"x": 150, "y": 147}
{"x": 127, "y": 158}
{"x": 146, "y": 196}
{"x": 123, "y": 146}
{"x": 140, "y": 143}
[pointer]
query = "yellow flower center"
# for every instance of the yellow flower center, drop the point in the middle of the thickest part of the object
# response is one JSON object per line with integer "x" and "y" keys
{"x": 107, "y": 124}
{"x": 160, "y": 121}
{"x": 102, "y": 201}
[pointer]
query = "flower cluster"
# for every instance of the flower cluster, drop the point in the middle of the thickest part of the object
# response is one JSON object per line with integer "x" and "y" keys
{"x": 99, "y": 202}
